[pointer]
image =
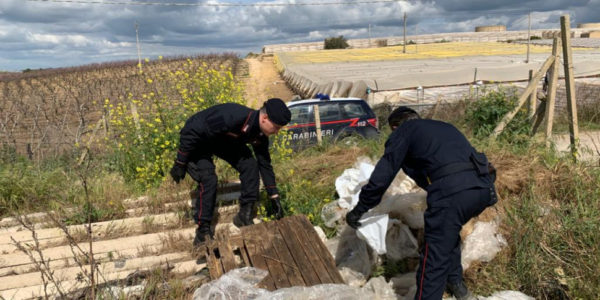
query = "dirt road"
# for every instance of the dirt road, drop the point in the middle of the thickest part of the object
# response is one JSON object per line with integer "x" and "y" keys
{"x": 264, "y": 82}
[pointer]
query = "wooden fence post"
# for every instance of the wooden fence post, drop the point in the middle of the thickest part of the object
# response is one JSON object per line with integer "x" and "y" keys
{"x": 532, "y": 98}
{"x": 509, "y": 116}
{"x": 317, "y": 123}
{"x": 565, "y": 32}
{"x": 551, "y": 95}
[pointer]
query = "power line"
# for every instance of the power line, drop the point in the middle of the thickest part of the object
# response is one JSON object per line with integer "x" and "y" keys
{"x": 227, "y": 4}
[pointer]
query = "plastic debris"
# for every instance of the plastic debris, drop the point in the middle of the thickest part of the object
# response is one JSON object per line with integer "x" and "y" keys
{"x": 240, "y": 284}
{"x": 508, "y": 295}
{"x": 352, "y": 278}
{"x": 373, "y": 231}
{"x": 331, "y": 213}
{"x": 235, "y": 284}
{"x": 404, "y": 243}
{"x": 404, "y": 283}
{"x": 320, "y": 292}
{"x": 380, "y": 288}
{"x": 482, "y": 244}
{"x": 354, "y": 253}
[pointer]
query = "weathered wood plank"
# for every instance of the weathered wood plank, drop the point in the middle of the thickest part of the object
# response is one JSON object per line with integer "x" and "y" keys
{"x": 552, "y": 85}
{"x": 565, "y": 30}
{"x": 308, "y": 247}
{"x": 215, "y": 269}
{"x": 252, "y": 243}
{"x": 297, "y": 252}
{"x": 226, "y": 252}
{"x": 237, "y": 243}
{"x": 289, "y": 265}
{"x": 321, "y": 250}
{"x": 272, "y": 259}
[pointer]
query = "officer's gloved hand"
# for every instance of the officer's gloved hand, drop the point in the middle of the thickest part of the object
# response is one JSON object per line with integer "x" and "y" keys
{"x": 178, "y": 171}
{"x": 352, "y": 219}
{"x": 276, "y": 211}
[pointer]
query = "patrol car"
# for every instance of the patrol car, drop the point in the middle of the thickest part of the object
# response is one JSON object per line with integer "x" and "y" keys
{"x": 341, "y": 119}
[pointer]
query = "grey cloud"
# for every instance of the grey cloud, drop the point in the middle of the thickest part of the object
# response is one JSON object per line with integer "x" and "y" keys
{"x": 42, "y": 34}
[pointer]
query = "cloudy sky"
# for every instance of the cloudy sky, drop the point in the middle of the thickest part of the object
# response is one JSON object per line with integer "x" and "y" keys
{"x": 56, "y": 33}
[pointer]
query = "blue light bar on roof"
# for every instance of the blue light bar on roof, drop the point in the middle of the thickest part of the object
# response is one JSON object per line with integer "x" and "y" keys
{"x": 322, "y": 96}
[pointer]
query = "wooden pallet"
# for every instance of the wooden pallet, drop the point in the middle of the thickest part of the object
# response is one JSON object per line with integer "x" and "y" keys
{"x": 289, "y": 249}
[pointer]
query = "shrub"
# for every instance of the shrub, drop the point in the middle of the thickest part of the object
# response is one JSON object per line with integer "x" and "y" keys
{"x": 336, "y": 43}
{"x": 484, "y": 114}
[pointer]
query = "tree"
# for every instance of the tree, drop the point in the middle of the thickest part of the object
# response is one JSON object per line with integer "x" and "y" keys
{"x": 336, "y": 43}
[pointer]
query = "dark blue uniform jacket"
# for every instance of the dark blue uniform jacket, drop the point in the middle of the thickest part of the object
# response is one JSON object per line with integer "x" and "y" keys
{"x": 226, "y": 126}
{"x": 419, "y": 147}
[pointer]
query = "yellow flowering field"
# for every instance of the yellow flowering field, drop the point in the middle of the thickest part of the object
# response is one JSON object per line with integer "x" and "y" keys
{"x": 420, "y": 51}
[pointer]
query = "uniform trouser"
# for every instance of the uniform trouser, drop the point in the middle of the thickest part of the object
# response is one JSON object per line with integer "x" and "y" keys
{"x": 440, "y": 255}
{"x": 202, "y": 171}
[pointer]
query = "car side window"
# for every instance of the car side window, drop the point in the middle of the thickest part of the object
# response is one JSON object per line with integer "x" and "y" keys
{"x": 300, "y": 114}
{"x": 329, "y": 112}
{"x": 353, "y": 110}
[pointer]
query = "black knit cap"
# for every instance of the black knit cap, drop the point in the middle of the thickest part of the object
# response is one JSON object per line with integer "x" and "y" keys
{"x": 277, "y": 111}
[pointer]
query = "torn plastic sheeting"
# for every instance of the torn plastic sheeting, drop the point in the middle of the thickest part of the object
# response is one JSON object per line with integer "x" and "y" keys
{"x": 331, "y": 213}
{"x": 240, "y": 284}
{"x": 235, "y": 284}
{"x": 508, "y": 295}
{"x": 403, "y": 243}
{"x": 407, "y": 207}
{"x": 482, "y": 244}
{"x": 354, "y": 253}
{"x": 321, "y": 292}
{"x": 373, "y": 231}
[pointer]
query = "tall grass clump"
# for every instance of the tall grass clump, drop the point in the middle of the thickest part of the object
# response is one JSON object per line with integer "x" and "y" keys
{"x": 145, "y": 126}
{"x": 551, "y": 225}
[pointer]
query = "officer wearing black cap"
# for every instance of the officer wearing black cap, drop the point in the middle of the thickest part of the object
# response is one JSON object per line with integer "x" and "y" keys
{"x": 459, "y": 182}
{"x": 224, "y": 130}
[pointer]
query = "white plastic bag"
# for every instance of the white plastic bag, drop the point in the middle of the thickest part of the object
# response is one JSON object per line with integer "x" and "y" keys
{"x": 373, "y": 231}
{"x": 482, "y": 244}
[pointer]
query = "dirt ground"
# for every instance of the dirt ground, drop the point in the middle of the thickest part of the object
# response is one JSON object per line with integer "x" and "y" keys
{"x": 264, "y": 82}
{"x": 589, "y": 145}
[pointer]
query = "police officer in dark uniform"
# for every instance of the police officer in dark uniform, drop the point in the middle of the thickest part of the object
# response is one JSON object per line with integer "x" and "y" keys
{"x": 459, "y": 183}
{"x": 224, "y": 130}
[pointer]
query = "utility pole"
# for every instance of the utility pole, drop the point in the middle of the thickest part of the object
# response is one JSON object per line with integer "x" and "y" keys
{"x": 369, "y": 35}
{"x": 404, "y": 49}
{"x": 416, "y": 38}
{"x": 137, "y": 42}
{"x": 528, "y": 38}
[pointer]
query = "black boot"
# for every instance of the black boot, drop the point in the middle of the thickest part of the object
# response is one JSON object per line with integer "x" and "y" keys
{"x": 244, "y": 216}
{"x": 203, "y": 233}
{"x": 460, "y": 291}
